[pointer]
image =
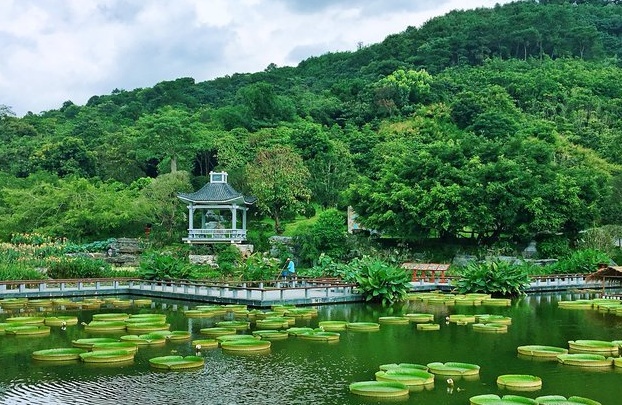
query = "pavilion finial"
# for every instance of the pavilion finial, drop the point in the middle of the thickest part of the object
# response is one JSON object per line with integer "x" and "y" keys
{"x": 217, "y": 177}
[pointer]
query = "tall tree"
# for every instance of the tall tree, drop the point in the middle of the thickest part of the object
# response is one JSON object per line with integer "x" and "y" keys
{"x": 165, "y": 135}
{"x": 278, "y": 178}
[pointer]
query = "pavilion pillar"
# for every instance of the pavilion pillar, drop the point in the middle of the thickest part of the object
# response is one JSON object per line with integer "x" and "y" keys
{"x": 244, "y": 218}
{"x": 190, "y": 217}
{"x": 234, "y": 217}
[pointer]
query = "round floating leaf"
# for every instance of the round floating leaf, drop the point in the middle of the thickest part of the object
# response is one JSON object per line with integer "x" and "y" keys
{"x": 453, "y": 368}
{"x": 89, "y": 342}
{"x": 333, "y": 326}
{"x": 320, "y": 336}
{"x": 214, "y": 332}
{"x": 542, "y": 351}
{"x": 363, "y": 326}
{"x": 107, "y": 356}
{"x": 519, "y": 382}
{"x": 237, "y": 325}
{"x": 144, "y": 340}
{"x": 177, "y": 362}
{"x": 406, "y": 376}
{"x": 246, "y": 345}
{"x": 61, "y": 321}
{"x": 379, "y": 389}
{"x": 60, "y": 354}
{"x": 394, "y": 320}
{"x": 585, "y": 360}
{"x": 111, "y": 316}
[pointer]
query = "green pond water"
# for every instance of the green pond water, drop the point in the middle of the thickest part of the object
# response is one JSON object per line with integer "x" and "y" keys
{"x": 297, "y": 371}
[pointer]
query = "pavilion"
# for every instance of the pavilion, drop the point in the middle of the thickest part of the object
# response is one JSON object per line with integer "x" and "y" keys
{"x": 216, "y": 212}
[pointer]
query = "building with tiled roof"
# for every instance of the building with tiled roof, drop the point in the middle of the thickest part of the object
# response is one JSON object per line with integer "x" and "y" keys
{"x": 216, "y": 212}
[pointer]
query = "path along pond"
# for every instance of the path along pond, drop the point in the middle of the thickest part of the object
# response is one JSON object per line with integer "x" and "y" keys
{"x": 298, "y": 371}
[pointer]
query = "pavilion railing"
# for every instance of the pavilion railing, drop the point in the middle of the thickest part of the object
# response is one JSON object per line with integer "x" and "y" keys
{"x": 215, "y": 234}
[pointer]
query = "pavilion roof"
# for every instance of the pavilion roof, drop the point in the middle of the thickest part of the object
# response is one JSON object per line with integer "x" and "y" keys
{"x": 217, "y": 193}
{"x": 609, "y": 271}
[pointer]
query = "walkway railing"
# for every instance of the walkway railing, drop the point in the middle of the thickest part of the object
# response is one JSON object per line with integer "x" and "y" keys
{"x": 215, "y": 234}
{"x": 254, "y": 293}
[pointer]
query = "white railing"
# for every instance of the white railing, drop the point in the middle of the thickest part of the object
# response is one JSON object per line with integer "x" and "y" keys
{"x": 214, "y": 234}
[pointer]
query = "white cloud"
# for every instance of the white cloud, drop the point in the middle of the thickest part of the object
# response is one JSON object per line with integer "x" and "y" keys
{"x": 58, "y": 50}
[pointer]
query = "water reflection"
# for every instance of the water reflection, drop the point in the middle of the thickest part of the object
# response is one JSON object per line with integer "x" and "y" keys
{"x": 297, "y": 371}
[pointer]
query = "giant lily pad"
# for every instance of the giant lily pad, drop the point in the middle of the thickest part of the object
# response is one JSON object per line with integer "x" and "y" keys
{"x": 27, "y": 330}
{"x": 246, "y": 345}
{"x": 177, "y": 362}
{"x": 130, "y": 347}
{"x": 363, "y": 326}
{"x": 215, "y": 332}
{"x": 237, "y": 325}
{"x": 333, "y": 326}
{"x": 88, "y": 343}
{"x": 560, "y": 400}
{"x": 519, "y": 382}
{"x": 408, "y": 366}
{"x": 146, "y": 327}
{"x": 379, "y": 389}
{"x": 406, "y": 376}
{"x": 585, "y": 360}
{"x": 550, "y": 352}
{"x": 493, "y": 399}
{"x": 420, "y": 318}
{"x": 60, "y": 354}
{"x": 61, "y": 320}
{"x": 490, "y": 327}
{"x": 205, "y": 344}
{"x": 106, "y": 316}
{"x": 104, "y": 326}
{"x": 107, "y": 356}
{"x": 271, "y": 334}
{"x": 594, "y": 346}
{"x": 144, "y": 340}
{"x": 393, "y": 320}
{"x": 453, "y": 368}
{"x": 26, "y": 320}
{"x": 320, "y": 336}
{"x": 428, "y": 326}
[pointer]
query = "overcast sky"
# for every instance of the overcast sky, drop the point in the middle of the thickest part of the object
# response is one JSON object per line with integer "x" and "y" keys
{"x": 58, "y": 50}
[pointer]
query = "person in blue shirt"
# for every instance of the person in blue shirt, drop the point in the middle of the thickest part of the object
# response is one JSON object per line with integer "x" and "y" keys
{"x": 290, "y": 269}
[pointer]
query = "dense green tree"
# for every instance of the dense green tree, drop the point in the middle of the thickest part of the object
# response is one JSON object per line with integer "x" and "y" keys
{"x": 165, "y": 135}
{"x": 278, "y": 178}
{"x": 72, "y": 207}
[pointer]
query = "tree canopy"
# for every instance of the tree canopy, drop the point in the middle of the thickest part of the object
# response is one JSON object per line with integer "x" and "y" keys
{"x": 492, "y": 123}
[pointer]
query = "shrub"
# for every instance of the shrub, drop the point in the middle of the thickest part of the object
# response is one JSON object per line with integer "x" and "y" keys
{"x": 78, "y": 267}
{"x": 92, "y": 247}
{"x": 327, "y": 235}
{"x": 11, "y": 272}
{"x": 163, "y": 266}
{"x": 581, "y": 261}
{"x": 553, "y": 247}
{"x": 494, "y": 277}
{"x": 381, "y": 282}
{"x": 327, "y": 267}
{"x": 228, "y": 259}
{"x": 257, "y": 267}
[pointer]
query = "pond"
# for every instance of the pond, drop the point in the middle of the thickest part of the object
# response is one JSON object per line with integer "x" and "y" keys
{"x": 297, "y": 371}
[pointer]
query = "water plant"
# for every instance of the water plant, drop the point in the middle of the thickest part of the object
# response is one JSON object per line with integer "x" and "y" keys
{"x": 378, "y": 281}
{"x": 493, "y": 277}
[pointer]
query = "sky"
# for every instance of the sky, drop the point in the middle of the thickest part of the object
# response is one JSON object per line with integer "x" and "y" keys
{"x": 53, "y": 51}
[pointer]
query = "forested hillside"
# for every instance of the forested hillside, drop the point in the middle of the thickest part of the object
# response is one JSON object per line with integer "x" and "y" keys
{"x": 485, "y": 124}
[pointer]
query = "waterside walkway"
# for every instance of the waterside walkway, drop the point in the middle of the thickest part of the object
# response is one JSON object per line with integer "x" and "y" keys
{"x": 260, "y": 294}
